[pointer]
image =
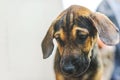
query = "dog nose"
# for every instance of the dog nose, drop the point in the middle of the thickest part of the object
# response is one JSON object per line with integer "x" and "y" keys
{"x": 69, "y": 69}
{"x": 69, "y": 64}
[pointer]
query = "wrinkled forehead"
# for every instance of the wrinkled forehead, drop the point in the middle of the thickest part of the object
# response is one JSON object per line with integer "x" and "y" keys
{"x": 74, "y": 15}
{"x": 69, "y": 22}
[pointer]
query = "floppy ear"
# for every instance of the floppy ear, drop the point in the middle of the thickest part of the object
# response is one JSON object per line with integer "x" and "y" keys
{"x": 107, "y": 31}
{"x": 47, "y": 43}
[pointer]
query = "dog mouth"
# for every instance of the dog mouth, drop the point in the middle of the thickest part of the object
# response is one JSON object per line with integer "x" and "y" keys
{"x": 75, "y": 68}
{"x": 81, "y": 70}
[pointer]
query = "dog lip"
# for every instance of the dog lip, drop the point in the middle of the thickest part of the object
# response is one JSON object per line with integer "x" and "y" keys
{"x": 81, "y": 73}
{"x": 77, "y": 73}
{"x": 81, "y": 66}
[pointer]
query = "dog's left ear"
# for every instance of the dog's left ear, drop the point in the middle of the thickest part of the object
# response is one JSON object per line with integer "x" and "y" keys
{"x": 107, "y": 31}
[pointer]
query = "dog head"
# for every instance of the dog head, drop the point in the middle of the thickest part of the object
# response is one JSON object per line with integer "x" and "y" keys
{"x": 76, "y": 30}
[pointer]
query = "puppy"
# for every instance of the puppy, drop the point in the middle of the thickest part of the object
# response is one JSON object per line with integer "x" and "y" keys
{"x": 76, "y": 31}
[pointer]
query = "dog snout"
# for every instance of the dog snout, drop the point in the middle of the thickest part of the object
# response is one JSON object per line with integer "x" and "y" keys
{"x": 74, "y": 64}
{"x": 69, "y": 64}
{"x": 69, "y": 69}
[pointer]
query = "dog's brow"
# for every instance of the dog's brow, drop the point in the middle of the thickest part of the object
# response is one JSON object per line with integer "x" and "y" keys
{"x": 57, "y": 33}
{"x": 82, "y": 29}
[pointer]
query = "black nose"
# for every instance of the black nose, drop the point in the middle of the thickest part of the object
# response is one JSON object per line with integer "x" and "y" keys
{"x": 69, "y": 64}
{"x": 69, "y": 69}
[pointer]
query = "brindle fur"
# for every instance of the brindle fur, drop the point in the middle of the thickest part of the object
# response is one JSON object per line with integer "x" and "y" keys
{"x": 65, "y": 28}
{"x": 94, "y": 71}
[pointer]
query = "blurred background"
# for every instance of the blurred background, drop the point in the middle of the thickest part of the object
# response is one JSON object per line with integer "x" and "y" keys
{"x": 23, "y": 24}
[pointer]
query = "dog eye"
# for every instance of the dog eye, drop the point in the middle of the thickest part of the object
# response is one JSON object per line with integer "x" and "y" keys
{"x": 81, "y": 37}
{"x": 58, "y": 39}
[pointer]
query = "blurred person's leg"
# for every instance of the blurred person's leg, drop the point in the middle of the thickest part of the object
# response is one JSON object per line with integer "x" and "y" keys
{"x": 110, "y": 10}
{"x": 116, "y": 72}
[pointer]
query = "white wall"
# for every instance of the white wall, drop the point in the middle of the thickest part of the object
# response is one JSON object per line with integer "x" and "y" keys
{"x": 23, "y": 24}
{"x": 3, "y": 41}
{"x": 90, "y": 4}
